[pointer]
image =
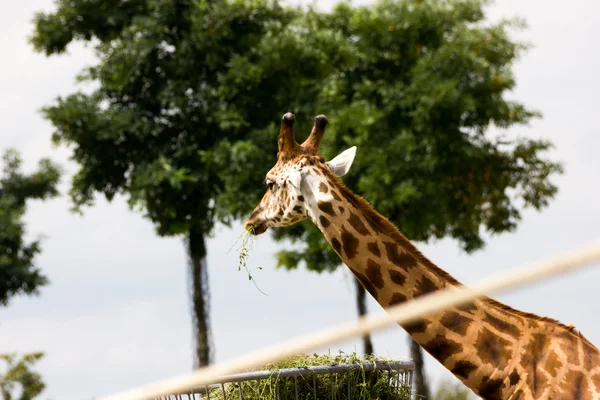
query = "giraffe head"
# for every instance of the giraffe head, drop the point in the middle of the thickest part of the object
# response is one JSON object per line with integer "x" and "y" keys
{"x": 291, "y": 182}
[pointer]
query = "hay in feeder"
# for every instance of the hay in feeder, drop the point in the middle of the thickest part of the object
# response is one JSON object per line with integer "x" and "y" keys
{"x": 355, "y": 384}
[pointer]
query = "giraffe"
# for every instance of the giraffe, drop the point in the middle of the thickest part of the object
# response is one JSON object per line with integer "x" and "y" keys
{"x": 495, "y": 350}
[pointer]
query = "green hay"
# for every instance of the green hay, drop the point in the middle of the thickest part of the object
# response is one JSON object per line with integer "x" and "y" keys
{"x": 364, "y": 385}
{"x": 245, "y": 246}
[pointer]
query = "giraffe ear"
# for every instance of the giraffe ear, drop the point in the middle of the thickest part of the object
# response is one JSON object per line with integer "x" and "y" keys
{"x": 341, "y": 164}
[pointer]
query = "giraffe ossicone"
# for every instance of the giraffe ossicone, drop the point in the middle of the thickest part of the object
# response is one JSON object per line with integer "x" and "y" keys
{"x": 497, "y": 351}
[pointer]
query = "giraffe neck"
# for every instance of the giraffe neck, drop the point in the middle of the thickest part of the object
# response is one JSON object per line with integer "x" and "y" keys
{"x": 485, "y": 344}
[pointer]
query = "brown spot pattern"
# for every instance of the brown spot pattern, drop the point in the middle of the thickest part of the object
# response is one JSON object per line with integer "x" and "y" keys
{"x": 357, "y": 224}
{"x": 373, "y": 272}
{"x": 469, "y": 308}
{"x": 337, "y": 246}
{"x": 335, "y": 195}
{"x": 463, "y": 368}
{"x": 397, "y": 277}
{"x": 373, "y": 248}
{"x": 342, "y": 209}
{"x": 514, "y": 378}
{"x": 491, "y": 348}
{"x": 377, "y": 228}
{"x": 577, "y": 381}
{"x": 536, "y": 346}
{"x": 323, "y": 188}
{"x": 366, "y": 283}
{"x": 326, "y": 207}
{"x": 425, "y": 286}
{"x": 490, "y": 389}
{"x": 455, "y": 322}
{"x": 503, "y": 326}
{"x": 397, "y": 298}
{"x": 324, "y": 221}
{"x": 442, "y": 348}
{"x": 349, "y": 243}
{"x": 417, "y": 326}
{"x": 300, "y": 198}
{"x": 402, "y": 260}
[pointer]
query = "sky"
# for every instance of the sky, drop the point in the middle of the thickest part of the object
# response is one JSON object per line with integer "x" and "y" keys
{"x": 116, "y": 314}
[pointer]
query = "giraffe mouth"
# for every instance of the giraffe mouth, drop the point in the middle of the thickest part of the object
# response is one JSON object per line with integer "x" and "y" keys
{"x": 255, "y": 229}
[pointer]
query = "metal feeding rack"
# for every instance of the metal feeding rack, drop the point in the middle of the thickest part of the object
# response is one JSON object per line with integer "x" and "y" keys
{"x": 306, "y": 383}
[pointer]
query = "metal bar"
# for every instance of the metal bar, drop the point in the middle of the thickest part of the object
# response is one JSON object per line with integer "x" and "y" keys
{"x": 223, "y": 389}
{"x": 315, "y": 386}
{"x": 332, "y": 388}
{"x": 318, "y": 370}
{"x": 258, "y": 386}
{"x": 349, "y": 389}
{"x": 296, "y": 386}
{"x": 277, "y": 387}
{"x": 240, "y": 386}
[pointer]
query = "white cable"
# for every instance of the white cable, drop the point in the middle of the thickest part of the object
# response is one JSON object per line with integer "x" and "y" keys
{"x": 402, "y": 313}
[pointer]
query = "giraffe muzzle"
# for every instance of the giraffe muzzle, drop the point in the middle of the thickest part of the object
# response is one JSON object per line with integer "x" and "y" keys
{"x": 255, "y": 229}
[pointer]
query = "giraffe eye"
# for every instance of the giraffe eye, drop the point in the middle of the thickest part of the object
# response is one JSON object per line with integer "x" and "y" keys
{"x": 271, "y": 186}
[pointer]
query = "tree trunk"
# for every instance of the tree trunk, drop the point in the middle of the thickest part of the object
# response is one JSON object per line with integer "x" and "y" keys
{"x": 361, "y": 304}
{"x": 421, "y": 386}
{"x": 200, "y": 298}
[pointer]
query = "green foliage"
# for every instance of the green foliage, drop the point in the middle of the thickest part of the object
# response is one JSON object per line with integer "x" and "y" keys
{"x": 17, "y": 271}
{"x": 453, "y": 391}
{"x": 190, "y": 93}
{"x": 425, "y": 88}
{"x": 18, "y": 378}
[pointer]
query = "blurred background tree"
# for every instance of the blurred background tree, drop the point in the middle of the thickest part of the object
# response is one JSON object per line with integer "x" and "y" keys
{"x": 18, "y": 274}
{"x": 19, "y": 381}
{"x": 453, "y": 391}
{"x": 184, "y": 119}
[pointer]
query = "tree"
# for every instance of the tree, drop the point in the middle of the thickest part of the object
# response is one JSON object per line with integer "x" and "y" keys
{"x": 427, "y": 83}
{"x": 453, "y": 391}
{"x": 19, "y": 378}
{"x": 18, "y": 274}
{"x": 190, "y": 93}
